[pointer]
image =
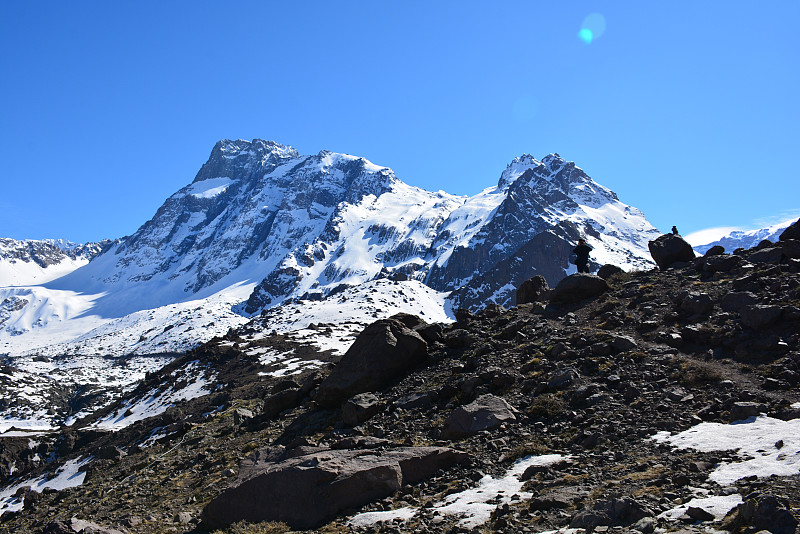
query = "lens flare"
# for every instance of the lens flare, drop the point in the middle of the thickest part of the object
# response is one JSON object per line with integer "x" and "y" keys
{"x": 586, "y": 35}
{"x": 593, "y": 26}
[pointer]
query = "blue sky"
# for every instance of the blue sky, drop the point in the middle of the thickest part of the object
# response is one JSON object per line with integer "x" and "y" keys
{"x": 688, "y": 110}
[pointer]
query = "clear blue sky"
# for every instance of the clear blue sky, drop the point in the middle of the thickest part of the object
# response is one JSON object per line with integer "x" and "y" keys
{"x": 688, "y": 110}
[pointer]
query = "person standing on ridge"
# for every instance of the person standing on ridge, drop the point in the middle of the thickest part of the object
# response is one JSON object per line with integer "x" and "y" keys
{"x": 582, "y": 256}
{"x": 675, "y": 230}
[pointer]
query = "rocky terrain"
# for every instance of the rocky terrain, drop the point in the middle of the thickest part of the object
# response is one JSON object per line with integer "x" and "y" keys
{"x": 602, "y": 405}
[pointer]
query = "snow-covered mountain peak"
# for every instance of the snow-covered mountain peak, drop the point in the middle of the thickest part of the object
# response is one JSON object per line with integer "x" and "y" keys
{"x": 517, "y": 168}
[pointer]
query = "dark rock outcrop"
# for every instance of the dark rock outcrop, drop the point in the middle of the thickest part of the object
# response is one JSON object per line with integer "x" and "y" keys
{"x": 669, "y": 249}
{"x": 577, "y": 287}
{"x": 607, "y": 271}
{"x": 385, "y": 350}
{"x": 305, "y": 491}
{"x": 532, "y": 289}
{"x": 792, "y": 232}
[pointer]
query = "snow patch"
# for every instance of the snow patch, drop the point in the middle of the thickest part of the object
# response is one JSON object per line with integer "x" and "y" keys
{"x": 69, "y": 476}
{"x": 768, "y": 446}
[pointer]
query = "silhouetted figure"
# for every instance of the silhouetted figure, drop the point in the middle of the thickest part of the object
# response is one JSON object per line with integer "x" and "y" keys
{"x": 582, "y": 256}
{"x": 674, "y": 230}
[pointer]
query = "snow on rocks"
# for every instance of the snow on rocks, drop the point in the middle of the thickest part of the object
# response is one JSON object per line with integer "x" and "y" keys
{"x": 191, "y": 382}
{"x": 767, "y": 446}
{"x": 68, "y": 476}
{"x": 473, "y": 506}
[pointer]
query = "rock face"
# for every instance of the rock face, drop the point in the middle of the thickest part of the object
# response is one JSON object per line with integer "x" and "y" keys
{"x": 306, "y": 491}
{"x": 312, "y": 223}
{"x": 792, "y": 232}
{"x": 487, "y": 412}
{"x": 577, "y": 287}
{"x": 532, "y": 289}
{"x": 384, "y": 350}
{"x": 669, "y": 249}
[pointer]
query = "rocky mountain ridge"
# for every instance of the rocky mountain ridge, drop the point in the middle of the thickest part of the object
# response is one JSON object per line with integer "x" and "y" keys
{"x": 571, "y": 413}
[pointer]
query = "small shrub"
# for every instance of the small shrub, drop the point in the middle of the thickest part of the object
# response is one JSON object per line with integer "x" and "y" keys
{"x": 547, "y": 406}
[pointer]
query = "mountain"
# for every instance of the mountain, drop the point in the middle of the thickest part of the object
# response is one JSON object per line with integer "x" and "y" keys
{"x": 31, "y": 261}
{"x": 669, "y": 403}
{"x": 262, "y": 225}
{"x": 746, "y": 239}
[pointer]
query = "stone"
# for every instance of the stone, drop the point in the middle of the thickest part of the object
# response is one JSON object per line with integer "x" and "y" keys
{"x": 698, "y": 514}
{"x": 716, "y": 250}
{"x": 359, "y": 408}
{"x": 737, "y": 301}
{"x": 760, "y": 316}
{"x": 669, "y": 249}
{"x": 623, "y": 343}
{"x": 283, "y": 400}
{"x": 241, "y": 416}
{"x": 383, "y": 351}
{"x": 578, "y": 287}
{"x": 88, "y": 527}
{"x": 761, "y": 512}
{"x": 307, "y": 491}
{"x": 697, "y": 304}
{"x": 487, "y": 412}
{"x": 607, "y": 271}
{"x": 744, "y": 410}
{"x": 792, "y": 232}
{"x": 532, "y": 290}
{"x": 767, "y": 255}
{"x": 562, "y": 378}
{"x": 723, "y": 263}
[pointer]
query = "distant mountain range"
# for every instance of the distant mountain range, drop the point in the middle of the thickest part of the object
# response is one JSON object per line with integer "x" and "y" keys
{"x": 263, "y": 226}
{"x": 746, "y": 238}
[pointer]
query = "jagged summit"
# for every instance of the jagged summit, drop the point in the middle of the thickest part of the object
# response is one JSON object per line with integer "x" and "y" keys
{"x": 261, "y": 225}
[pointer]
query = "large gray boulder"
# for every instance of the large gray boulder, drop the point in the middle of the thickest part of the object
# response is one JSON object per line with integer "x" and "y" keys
{"x": 669, "y": 249}
{"x": 383, "y": 351}
{"x": 306, "y": 491}
{"x": 577, "y": 287}
{"x": 487, "y": 412}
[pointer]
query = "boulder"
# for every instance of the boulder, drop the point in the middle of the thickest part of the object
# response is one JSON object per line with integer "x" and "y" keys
{"x": 577, "y": 287}
{"x": 722, "y": 263}
{"x": 761, "y": 512}
{"x": 385, "y": 350}
{"x": 359, "y": 408}
{"x": 792, "y": 232}
{"x": 532, "y": 290}
{"x": 760, "y": 316}
{"x": 487, "y": 412}
{"x": 607, "y": 271}
{"x": 669, "y": 249}
{"x": 716, "y": 250}
{"x": 767, "y": 255}
{"x": 737, "y": 301}
{"x": 307, "y": 491}
{"x": 697, "y": 304}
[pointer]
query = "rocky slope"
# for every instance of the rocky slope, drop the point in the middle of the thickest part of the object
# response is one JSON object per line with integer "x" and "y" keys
{"x": 608, "y": 413}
